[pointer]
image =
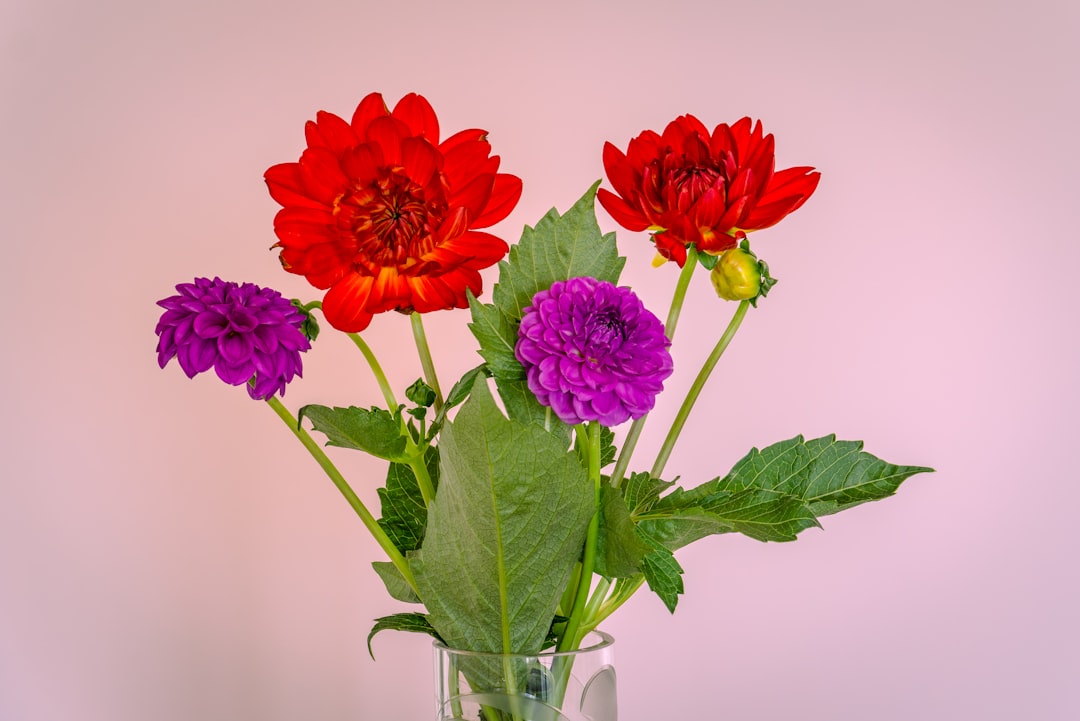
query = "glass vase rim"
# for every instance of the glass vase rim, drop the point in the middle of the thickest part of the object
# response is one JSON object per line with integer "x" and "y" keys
{"x": 605, "y": 641}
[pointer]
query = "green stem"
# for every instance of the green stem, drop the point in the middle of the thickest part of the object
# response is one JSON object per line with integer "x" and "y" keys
{"x": 677, "y": 301}
{"x": 622, "y": 594}
{"x": 425, "y": 358}
{"x": 380, "y": 377}
{"x": 342, "y": 485}
{"x": 680, "y": 292}
{"x": 418, "y": 464}
{"x": 695, "y": 389}
{"x": 570, "y": 639}
{"x": 594, "y": 604}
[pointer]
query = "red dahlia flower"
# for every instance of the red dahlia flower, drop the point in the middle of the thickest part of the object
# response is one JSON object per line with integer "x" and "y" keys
{"x": 383, "y": 215}
{"x": 691, "y": 186}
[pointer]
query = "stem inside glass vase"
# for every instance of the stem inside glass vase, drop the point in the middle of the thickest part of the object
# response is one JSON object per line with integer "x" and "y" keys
{"x": 551, "y": 686}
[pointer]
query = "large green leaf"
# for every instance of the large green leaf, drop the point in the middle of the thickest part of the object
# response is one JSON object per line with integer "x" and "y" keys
{"x": 559, "y": 247}
{"x": 775, "y": 493}
{"x": 504, "y": 530}
{"x": 375, "y": 431}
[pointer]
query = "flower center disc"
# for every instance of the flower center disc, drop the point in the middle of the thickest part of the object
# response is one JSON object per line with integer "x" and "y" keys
{"x": 392, "y": 220}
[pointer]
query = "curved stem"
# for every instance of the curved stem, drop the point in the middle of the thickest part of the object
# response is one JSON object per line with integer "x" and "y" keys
{"x": 425, "y": 359}
{"x": 677, "y": 301}
{"x": 695, "y": 389}
{"x": 376, "y": 369}
{"x": 622, "y": 595}
{"x": 342, "y": 485}
{"x": 570, "y": 638}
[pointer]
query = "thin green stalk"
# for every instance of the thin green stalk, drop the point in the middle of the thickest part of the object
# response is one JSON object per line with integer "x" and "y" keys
{"x": 622, "y": 594}
{"x": 695, "y": 389}
{"x": 669, "y": 330}
{"x": 570, "y": 639}
{"x": 425, "y": 359}
{"x": 594, "y": 604}
{"x": 423, "y": 479}
{"x": 680, "y": 292}
{"x": 380, "y": 377}
{"x": 327, "y": 465}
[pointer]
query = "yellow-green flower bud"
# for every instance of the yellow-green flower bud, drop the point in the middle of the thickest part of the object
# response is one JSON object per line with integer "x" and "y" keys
{"x": 737, "y": 275}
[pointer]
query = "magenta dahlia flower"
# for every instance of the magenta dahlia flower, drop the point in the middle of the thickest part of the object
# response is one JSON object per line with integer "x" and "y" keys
{"x": 244, "y": 332}
{"x": 592, "y": 352}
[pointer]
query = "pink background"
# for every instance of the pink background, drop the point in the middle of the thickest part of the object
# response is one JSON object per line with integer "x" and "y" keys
{"x": 168, "y": 553}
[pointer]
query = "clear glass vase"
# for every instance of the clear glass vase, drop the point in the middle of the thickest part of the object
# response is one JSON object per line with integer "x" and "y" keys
{"x": 549, "y": 686}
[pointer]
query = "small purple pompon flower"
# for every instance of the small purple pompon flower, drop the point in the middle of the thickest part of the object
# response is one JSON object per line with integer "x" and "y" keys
{"x": 592, "y": 352}
{"x": 241, "y": 331}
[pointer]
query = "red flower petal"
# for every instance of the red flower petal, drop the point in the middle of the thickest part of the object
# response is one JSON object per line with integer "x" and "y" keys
{"x": 420, "y": 159}
{"x": 621, "y": 212}
{"x": 620, "y": 171}
{"x": 330, "y": 132}
{"x": 285, "y": 186}
{"x": 345, "y": 304}
{"x": 321, "y": 176}
{"x": 505, "y": 194}
{"x": 362, "y": 164}
{"x": 416, "y": 112}
{"x": 370, "y": 107}
{"x": 388, "y": 133}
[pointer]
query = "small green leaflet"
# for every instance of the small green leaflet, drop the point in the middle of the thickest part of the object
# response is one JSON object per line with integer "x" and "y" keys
{"x": 396, "y": 585}
{"x": 619, "y": 547}
{"x": 404, "y": 515}
{"x": 460, "y": 392}
{"x": 497, "y": 336}
{"x": 374, "y": 431}
{"x": 643, "y": 491}
{"x": 415, "y": 622}
{"x": 663, "y": 574}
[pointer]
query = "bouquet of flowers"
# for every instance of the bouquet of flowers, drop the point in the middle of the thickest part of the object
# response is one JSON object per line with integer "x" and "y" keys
{"x": 512, "y": 513}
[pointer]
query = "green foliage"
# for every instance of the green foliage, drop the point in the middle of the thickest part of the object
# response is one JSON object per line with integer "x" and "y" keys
{"x": 310, "y": 325}
{"x": 775, "y": 493}
{"x": 404, "y": 515}
{"x": 643, "y": 491}
{"x": 503, "y": 532}
{"x": 620, "y": 549}
{"x": 396, "y": 585}
{"x": 497, "y": 335}
{"x": 522, "y": 406}
{"x": 375, "y": 431}
{"x": 460, "y": 392}
{"x": 559, "y": 247}
{"x": 664, "y": 575}
{"x": 414, "y": 622}
{"x": 607, "y": 446}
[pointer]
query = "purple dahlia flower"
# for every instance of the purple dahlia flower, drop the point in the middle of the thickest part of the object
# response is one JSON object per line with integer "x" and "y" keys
{"x": 242, "y": 331}
{"x": 592, "y": 352}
